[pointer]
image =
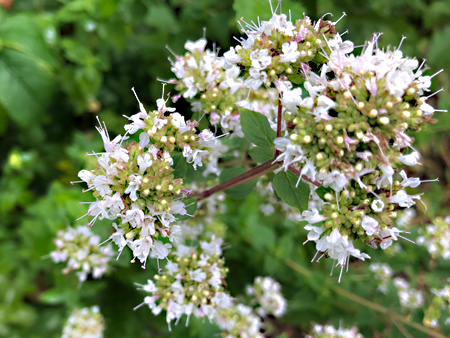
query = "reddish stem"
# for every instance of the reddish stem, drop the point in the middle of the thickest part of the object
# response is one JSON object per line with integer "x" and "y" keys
{"x": 245, "y": 177}
{"x": 306, "y": 178}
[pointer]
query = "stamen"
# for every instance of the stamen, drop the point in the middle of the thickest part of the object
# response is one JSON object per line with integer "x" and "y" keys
{"x": 72, "y": 182}
{"x": 420, "y": 67}
{"x": 440, "y": 90}
{"x": 343, "y": 14}
{"x": 171, "y": 51}
{"x": 340, "y": 275}
{"x": 321, "y": 257}
{"x": 137, "y": 307}
{"x": 400, "y": 44}
{"x": 314, "y": 256}
{"x": 204, "y": 33}
{"x": 271, "y": 8}
{"x": 407, "y": 239}
{"x": 438, "y": 72}
{"x": 82, "y": 216}
{"x": 340, "y": 35}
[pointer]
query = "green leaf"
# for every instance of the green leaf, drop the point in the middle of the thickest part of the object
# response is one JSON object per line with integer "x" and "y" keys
{"x": 438, "y": 51}
{"x": 108, "y": 7}
{"x": 26, "y": 70}
{"x": 241, "y": 190}
{"x": 321, "y": 191}
{"x": 296, "y": 78}
{"x": 284, "y": 184}
{"x": 252, "y": 9}
{"x": 256, "y": 128}
{"x": 261, "y": 154}
{"x": 180, "y": 166}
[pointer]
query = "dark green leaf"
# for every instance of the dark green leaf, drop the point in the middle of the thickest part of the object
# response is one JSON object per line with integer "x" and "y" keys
{"x": 239, "y": 191}
{"x": 26, "y": 70}
{"x": 180, "y": 166}
{"x": 252, "y": 9}
{"x": 256, "y": 128}
{"x": 284, "y": 184}
{"x": 261, "y": 154}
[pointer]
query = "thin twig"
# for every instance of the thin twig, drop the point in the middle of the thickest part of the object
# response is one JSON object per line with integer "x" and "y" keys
{"x": 260, "y": 170}
{"x": 306, "y": 178}
{"x": 369, "y": 304}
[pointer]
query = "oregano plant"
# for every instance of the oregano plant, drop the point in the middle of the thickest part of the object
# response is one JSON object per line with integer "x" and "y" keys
{"x": 327, "y": 130}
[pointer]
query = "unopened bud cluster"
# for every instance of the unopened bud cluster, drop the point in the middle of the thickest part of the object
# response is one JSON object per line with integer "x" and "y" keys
{"x": 79, "y": 247}
{"x": 436, "y": 238}
{"x": 85, "y": 322}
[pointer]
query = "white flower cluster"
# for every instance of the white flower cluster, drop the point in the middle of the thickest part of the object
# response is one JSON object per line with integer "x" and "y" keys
{"x": 135, "y": 184}
{"x": 346, "y": 130}
{"x": 329, "y": 331}
{"x": 85, "y": 322}
{"x": 409, "y": 297}
{"x": 436, "y": 238}
{"x": 439, "y": 307}
{"x": 239, "y": 321}
{"x": 79, "y": 247}
{"x": 278, "y": 48}
{"x": 191, "y": 285}
{"x": 213, "y": 86}
{"x": 382, "y": 273}
{"x": 266, "y": 294}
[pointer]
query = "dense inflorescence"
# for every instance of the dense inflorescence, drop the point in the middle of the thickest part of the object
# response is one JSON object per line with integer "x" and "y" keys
{"x": 85, "y": 322}
{"x": 79, "y": 247}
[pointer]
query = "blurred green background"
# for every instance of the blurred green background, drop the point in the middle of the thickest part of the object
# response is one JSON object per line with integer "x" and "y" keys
{"x": 62, "y": 63}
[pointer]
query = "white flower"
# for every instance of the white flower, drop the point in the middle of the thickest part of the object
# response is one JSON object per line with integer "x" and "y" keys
{"x": 178, "y": 122}
{"x": 196, "y": 45}
{"x": 144, "y": 162}
{"x": 377, "y": 205}
{"x": 290, "y": 52}
{"x": 133, "y": 186}
{"x": 403, "y": 199}
{"x": 410, "y": 159}
{"x": 370, "y": 225}
{"x": 412, "y": 182}
{"x": 314, "y": 232}
{"x": 386, "y": 178}
{"x": 161, "y": 250}
{"x": 197, "y": 275}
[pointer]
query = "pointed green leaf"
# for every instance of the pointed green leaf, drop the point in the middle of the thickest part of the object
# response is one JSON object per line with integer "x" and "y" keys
{"x": 261, "y": 154}
{"x": 284, "y": 184}
{"x": 256, "y": 128}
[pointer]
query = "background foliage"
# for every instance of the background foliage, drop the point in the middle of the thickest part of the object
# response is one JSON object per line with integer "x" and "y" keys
{"x": 64, "y": 62}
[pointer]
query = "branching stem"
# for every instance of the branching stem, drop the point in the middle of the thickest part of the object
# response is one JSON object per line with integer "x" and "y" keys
{"x": 258, "y": 171}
